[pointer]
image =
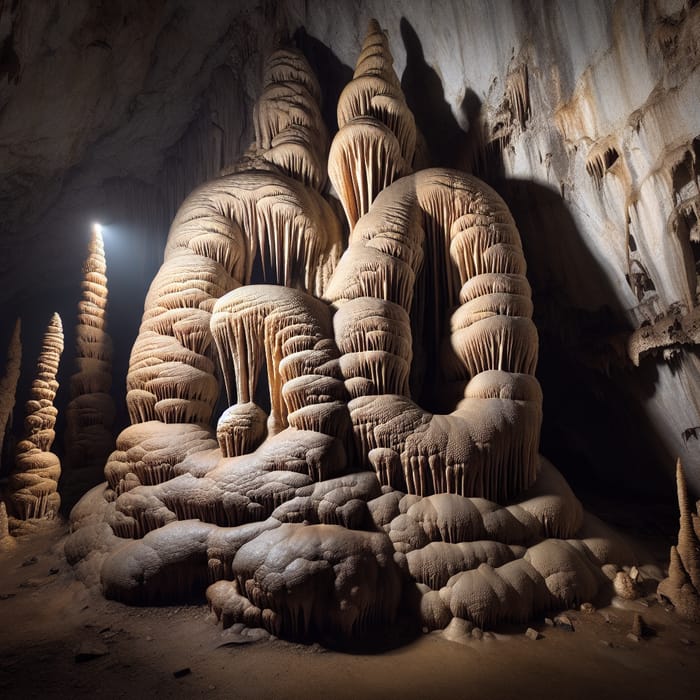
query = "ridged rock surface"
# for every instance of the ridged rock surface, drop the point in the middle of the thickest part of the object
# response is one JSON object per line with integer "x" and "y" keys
{"x": 583, "y": 114}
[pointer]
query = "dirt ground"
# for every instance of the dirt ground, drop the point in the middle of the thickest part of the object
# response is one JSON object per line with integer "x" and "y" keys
{"x": 60, "y": 640}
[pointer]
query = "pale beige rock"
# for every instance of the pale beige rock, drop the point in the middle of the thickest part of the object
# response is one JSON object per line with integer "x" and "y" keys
{"x": 682, "y": 587}
{"x": 7, "y": 541}
{"x": 33, "y": 484}
{"x": 376, "y": 131}
{"x": 310, "y": 522}
{"x": 91, "y": 411}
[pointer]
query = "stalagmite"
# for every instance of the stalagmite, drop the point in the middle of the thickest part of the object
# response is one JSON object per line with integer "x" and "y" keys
{"x": 90, "y": 413}
{"x": 8, "y": 385}
{"x": 289, "y": 129}
{"x": 34, "y": 482}
{"x": 315, "y": 508}
{"x": 376, "y": 131}
{"x": 682, "y": 587}
{"x": 7, "y": 541}
{"x": 218, "y": 232}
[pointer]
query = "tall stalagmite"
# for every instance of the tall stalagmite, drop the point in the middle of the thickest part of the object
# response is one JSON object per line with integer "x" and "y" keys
{"x": 8, "y": 385}
{"x": 682, "y": 587}
{"x": 90, "y": 413}
{"x": 33, "y": 485}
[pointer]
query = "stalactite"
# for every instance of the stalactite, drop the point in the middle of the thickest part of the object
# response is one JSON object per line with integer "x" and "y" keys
{"x": 34, "y": 482}
{"x": 8, "y": 385}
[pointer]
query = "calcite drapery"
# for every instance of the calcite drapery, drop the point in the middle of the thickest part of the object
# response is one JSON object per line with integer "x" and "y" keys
{"x": 33, "y": 483}
{"x": 285, "y": 517}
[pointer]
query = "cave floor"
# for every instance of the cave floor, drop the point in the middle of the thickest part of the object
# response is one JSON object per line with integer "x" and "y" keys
{"x": 48, "y": 620}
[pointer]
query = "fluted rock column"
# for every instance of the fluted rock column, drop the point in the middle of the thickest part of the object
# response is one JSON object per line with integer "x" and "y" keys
{"x": 33, "y": 485}
{"x": 90, "y": 413}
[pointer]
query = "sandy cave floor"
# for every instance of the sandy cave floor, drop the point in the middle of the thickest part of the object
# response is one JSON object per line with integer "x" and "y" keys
{"x": 48, "y": 619}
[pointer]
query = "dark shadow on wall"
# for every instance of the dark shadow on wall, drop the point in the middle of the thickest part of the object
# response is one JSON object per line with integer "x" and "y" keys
{"x": 594, "y": 429}
{"x": 447, "y": 143}
{"x": 332, "y": 74}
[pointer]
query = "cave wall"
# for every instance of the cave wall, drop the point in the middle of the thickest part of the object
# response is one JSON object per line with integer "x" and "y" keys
{"x": 583, "y": 115}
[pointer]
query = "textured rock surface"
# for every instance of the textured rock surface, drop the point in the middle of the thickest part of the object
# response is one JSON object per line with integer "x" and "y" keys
{"x": 33, "y": 484}
{"x": 583, "y": 114}
{"x": 682, "y": 587}
{"x": 429, "y": 300}
{"x": 90, "y": 413}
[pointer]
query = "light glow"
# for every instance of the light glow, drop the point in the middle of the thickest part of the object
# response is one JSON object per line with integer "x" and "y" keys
{"x": 97, "y": 227}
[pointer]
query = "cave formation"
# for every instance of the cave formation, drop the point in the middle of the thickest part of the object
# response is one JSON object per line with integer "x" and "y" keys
{"x": 334, "y": 397}
{"x": 283, "y": 518}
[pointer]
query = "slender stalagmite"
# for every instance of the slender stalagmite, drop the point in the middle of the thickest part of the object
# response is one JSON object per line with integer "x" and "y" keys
{"x": 33, "y": 485}
{"x": 90, "y": 413}
{"x": 682, "y": 587}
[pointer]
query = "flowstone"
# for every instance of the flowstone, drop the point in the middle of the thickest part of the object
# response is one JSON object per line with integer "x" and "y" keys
{"x": 344, "y": 502}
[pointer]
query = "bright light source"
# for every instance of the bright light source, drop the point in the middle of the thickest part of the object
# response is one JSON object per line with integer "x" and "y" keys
{"x": 97, "y": 227}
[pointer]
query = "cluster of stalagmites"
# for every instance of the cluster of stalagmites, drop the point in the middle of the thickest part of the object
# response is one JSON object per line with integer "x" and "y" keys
{"x": 90, "y": 413}
{"x": 682, "y": 587}
{"x": 345, "y": 502}
{"x": 33, "y": 484}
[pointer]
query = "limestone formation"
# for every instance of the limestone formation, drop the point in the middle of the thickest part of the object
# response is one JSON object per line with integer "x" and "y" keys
{"x": 90, "y": 413}
{"x": 682, "y": 587}
{"x": 329, "y": 496}
{"x": 220, "y": 230}
{"x": 7, "y": 541}
{"x": 33, "y": 484}
{"x": 8, "y": 385}
{"x": 376, "y": 135}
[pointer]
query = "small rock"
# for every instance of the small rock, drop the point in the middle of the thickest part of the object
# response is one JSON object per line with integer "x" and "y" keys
{"x": 477, "y": 633}
{"x": 606, "y": 643}
{"x": 533, "y": 634}
{"x": 90, "y": 650}
{"x": 549, "y": 622}
{"x": 33, "y": 582}
{"x": 625, "y": 587}
{"x": 587, "y": 608}
{"x": 634, "y": 573}
{"x": 637, "y": 625}
{"x": 564, "y": 622}
{"x": 489, "y": 635}
{"x": 458, "y": 630}
{"x": 687, "y": 642}
{"x": 182, "y": 672}
{"x": 29, "y": 561}
{"x": 149, "y": 639}
{"x": 6, "y": 596}
{"x": 53, "y": 572}
{"x": 257, "y": 634}
{"x": 633, "y": 637}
